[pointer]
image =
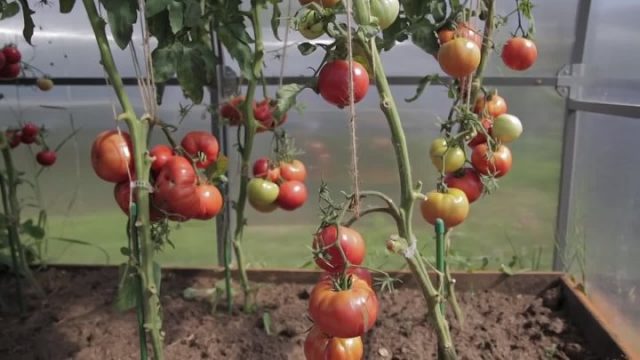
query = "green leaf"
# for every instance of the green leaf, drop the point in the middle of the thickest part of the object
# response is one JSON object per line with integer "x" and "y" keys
{"x": 275, "y": 19}
{"x": 127, "y": 289}
{"x": 154, "y": 7}
{"x": 286, "y": 98}
{"x": 9, "y": 10}
{"x": 157, "y": 275}
{"x": 164, "y": 62}
{"x": 394, "y": 33}
{"x": 192, "y": 14}
{"x": 66, "y": 6}
{"x": 27, "y": 30}
{"x": 176, "y": 16}
{"x": 218, "y": 168}
{"x": 32, "y": 229}
{"x": 159, "y": 26}
{"x": 122, "y": 14}
{"x": 125, "y": 251}
{"x": 84, "y": 243}
{"x": 306, "y": 48}
{"x": 438, "y": 10}
{"x": 266, "y": 322}
{"x": 236, "y": 40}
{"x": 425, "y": 38}
{"x": 424, "y": 82}
{"x": 189, "y": 72}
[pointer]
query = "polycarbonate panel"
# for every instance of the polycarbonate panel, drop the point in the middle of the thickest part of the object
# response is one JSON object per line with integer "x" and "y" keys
{"x": 517, "y": 221}
{"x": 612, "y": 53}
{"x": 65, "y": 45}
{"x": 603, "y": 245}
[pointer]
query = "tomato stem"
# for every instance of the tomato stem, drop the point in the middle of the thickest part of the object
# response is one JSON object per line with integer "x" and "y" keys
{"x": 138, "y": 131}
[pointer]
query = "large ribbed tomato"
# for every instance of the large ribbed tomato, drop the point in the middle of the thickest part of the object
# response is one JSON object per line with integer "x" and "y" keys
{"x": 345, "y": 312}
{"x": 328, "y": 256}
{"x": 111, "y": 156}
{"x": 161, "y": 154}
{"x": 333, "y": 82}
{"x": 452, "y": 207}
{"x": 176, "y": 189}
{"x": 202, "y": 146}
{"x": 320, "y": 346}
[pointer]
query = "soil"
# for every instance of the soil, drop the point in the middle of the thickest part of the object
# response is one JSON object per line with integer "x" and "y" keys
{"x": 78, "y": 321}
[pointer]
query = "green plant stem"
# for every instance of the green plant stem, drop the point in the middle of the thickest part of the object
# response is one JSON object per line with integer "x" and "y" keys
{"x": 135, "y": 252}
{"x": 247, "y": 146}
{"x": 446, "y": 350}
{"x": 138, "y": 131}
{"x": 12, "y": 244}
{"x": 14, "y": 220}
{"x": 487, "y": 44}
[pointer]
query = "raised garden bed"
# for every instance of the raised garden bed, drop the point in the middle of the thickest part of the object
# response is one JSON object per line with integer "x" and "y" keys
{"x": 524, "y": 316}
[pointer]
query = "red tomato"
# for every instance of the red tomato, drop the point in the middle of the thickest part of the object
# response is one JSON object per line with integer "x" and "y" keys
{"x": 320, "y": 346}
{"x": 452, "y": 207}
{"x": 343, "y": 313}
{"x": 3, "y": 60}
{"x": 10, "y": 71}
{"x": 111, "y": 156}
{"x": 293, "y": 194}
{"x": 161, "y": 154}
{"x": 30, "y": 130}
{"x": 459, "y": 57}
{"x": 263, "y": 115}
{"x": 11, "y": 54}
{"x": 209, "y": 201}
{"x": 328, "y": 256}
{"x": 294, "y": 170}
{"x": 519, "y": 53}
{"x": 481, "y": 138}
{"x": 201, "y": 142}
{"x": 468, "y": 181}
{"x": 176, "y": 189}
{"x": 27, "y": 139}
{"x": 462, "y": 30}
{"x": 333, "y": 82}
{"x": 499, "y": 163}
{"x": 495, "y": 107}
{"x": 122, "y": 193}
{"x": 14, "y": 137}
{"x": 231, "y": 111}
{"x": 261, "y": 167}
{"x": 46, "y": 157}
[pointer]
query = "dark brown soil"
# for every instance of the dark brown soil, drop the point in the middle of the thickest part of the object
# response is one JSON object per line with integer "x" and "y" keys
{"x": 77, "y": 321}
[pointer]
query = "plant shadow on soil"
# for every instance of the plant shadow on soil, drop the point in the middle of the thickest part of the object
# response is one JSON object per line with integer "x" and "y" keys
{"x": 78, "y": 321}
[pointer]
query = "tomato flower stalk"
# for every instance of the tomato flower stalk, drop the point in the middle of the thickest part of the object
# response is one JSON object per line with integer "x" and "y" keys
{"x": 138, "y": 130}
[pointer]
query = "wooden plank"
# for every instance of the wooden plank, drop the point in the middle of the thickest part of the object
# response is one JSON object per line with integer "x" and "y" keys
{"x": 595, "y": 328}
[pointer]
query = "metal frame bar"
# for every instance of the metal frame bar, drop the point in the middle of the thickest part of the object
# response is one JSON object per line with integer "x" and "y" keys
{"x": 274, "y": 80}
{"x": 569, "y": 141}
{"x": 616, "y": 109}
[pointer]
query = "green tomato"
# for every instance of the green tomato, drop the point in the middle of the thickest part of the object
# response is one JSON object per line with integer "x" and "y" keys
{"x": 386, "y": 11}
{"x": 262, "y": 192}
{"x": 310, "y": 24}
{"x": 443, "y": 156}
{"x": 506, "y": 128}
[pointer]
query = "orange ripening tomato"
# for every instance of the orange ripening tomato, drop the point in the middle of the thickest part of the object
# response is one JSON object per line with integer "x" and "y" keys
{"x": 495, "y": 107}
{"x": 111, "y": 156}
{"x": 459, "y": 57}
{"x": 320, "y": 346}
{"x": 452, "y": 207}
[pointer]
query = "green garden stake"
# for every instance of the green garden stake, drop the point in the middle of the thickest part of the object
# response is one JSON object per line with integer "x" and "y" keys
{"x": 440, "y": 256}
{"x": 133, "y": 210}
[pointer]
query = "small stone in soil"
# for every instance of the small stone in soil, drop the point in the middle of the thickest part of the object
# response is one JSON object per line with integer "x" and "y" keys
{"x": 384, "y": 352}
{"x": 556, "y": 326}
{"x": 573, "y": 350}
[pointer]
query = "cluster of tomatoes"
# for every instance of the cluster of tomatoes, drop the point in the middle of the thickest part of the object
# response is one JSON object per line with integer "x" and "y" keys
{"x": 264, "y": 112}
{"x": 459, "y": 52}
{"x": 30, "y": 134}
{"x": 179, "y": 191}
{"x": 342, "y": 305}
{"x": 277, "y": 185}
{"x": 10, "y": 66}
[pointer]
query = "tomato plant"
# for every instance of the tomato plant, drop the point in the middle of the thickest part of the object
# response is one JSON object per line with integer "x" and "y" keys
{"x": 292, "y": 195}
{"x": 481, "y": 137}
{"x": 446, "y": 158}
{"x": 320, "y": 346}
{"x": 459, "y": 57}
{"x": 231, "y": 111}
{"x": 333, "y": 82}
{"x": 309, "y": 23}
{"x": 519, "y": 53}
{"x": 201, "y": 146}
{"x": 111, "y": 157}
{"x": 496, "y": 163}
{"x": 452, "y": 207}
{"x": 506, "y": 128}
{"x": 46, "y": 157}
{"x": 357, "y": 271}
{"x": 326, "y": 247}
{"x": 467, "y": 180}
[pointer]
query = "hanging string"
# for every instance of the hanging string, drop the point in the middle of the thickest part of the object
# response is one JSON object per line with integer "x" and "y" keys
{"x": 352, "y": 120}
